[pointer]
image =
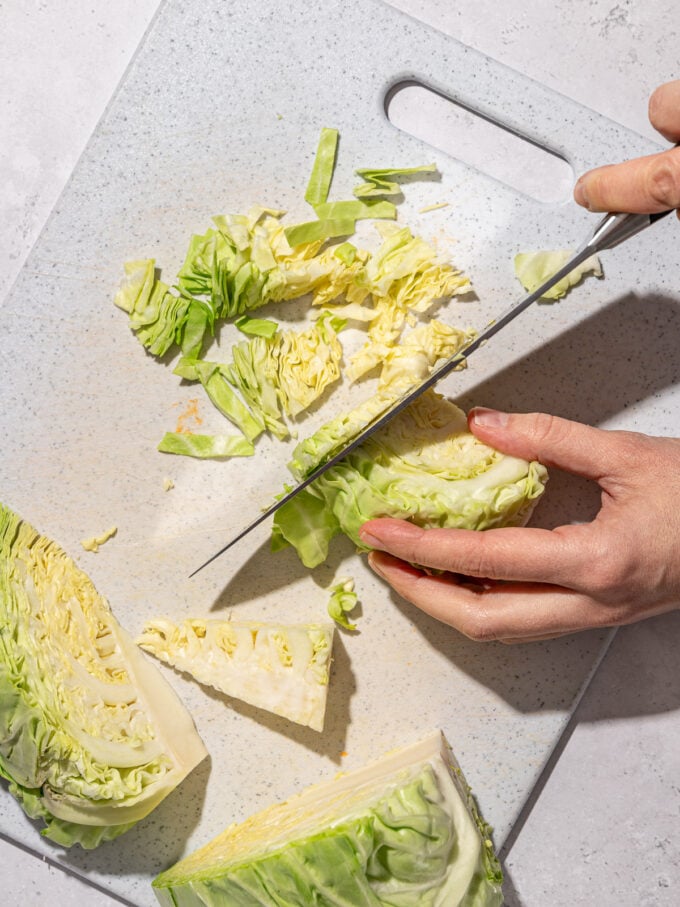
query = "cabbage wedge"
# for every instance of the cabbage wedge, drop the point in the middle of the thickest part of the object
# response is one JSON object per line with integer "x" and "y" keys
{"x": 91, "y": 736}
{"x": 403, "y": 831}
{"x": 284, "y": 669}
{"x": 424, "y": 465}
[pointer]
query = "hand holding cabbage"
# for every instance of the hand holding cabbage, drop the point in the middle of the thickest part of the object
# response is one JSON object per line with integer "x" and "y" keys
{"x": 535, "y": 583}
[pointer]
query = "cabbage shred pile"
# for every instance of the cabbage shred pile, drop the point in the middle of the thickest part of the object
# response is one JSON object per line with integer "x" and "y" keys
{"x": 247, "y": 261}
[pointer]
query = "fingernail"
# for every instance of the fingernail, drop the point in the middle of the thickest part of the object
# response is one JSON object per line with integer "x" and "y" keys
{"x": 489, "y": 418}
{"x": 369, "y": 539}
{"x": 580, "y": 194}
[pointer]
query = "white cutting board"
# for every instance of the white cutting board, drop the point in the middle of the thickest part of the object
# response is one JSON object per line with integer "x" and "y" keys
{"x": 219, "y": 112}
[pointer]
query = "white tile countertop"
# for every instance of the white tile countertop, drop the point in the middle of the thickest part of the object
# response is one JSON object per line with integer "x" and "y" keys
{"x": 602, "y": 826}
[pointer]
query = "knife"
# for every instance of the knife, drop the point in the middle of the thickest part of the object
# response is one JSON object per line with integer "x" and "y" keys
{"x": 612, "y": 230}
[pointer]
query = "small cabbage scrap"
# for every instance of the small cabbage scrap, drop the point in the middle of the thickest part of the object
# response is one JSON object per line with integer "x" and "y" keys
{"x": 383, "y": 181}
{"x": 321, "y": 176}
{"x": 343, "y": 600}
{"x": 205, "y": 447}
{"x": 532, "y": 269}
{"x": 256, "y": 327}
{"x": 404, "y": 830}
{"x": 91, "y": 736}
{"x": 424, "y": 465}
{"x": 94, "y": 542}
{"x": 284, "y": 669}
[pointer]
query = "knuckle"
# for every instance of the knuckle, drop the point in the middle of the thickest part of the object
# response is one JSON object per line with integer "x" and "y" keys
{"x": 608, "y": 573}
{"x": 663, "y": 182}
{"x": 479, "y": 559}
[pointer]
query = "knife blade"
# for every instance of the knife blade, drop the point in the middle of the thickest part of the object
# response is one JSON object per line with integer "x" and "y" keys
{"x": 612, "y": 230}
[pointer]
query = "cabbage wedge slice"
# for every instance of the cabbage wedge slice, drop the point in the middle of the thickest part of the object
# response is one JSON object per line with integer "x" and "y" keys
{"x": 403, "y": 831}
{"x": 284, "y": 669}
{"x": 425, "y": 466}
{"x": 92, "y": 738}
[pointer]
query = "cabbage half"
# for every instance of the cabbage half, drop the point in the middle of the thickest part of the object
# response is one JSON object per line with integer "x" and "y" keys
{"x": 284, "y": 669}
{"x": 403, "y": 832}
{"x": 424, "y": 466}
{"x": 91, "y": 736}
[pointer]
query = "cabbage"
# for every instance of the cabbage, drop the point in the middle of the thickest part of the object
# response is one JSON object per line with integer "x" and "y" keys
{"x": 321, "y": 176}
{"x": 404, "y": 276}
{"x": 94, "y": 542}
{"x": 256, "y": 327}
{"x": 424, "y": 465}
{"x": 91, "y": 737}
{"x": 534, "y": 268}
{"x": 401, "y": 832}
{"x": 382, "y": 181}
{"x": 343, "y": 599}
{"x": 267, "y": 379}
{"x": 205, "y": 447}
{"x": 284, "y": 669}
{"x": 241, "y": 264}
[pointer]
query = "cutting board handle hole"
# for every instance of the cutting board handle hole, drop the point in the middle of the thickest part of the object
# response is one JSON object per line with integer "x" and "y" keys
{"x": 480, "y": 141}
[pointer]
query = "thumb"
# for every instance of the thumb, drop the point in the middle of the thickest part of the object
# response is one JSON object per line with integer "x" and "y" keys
{"x": 572, "y": 446}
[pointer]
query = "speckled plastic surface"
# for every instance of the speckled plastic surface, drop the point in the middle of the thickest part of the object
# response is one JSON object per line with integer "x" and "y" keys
{"x": 219, "y": 112}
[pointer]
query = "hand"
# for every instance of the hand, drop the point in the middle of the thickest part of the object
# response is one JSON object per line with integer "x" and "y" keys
{"x": 536, "y": 583}
{"x": 644, "y": 185}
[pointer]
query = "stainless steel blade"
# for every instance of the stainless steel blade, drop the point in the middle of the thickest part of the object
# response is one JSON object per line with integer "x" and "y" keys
{"x": 612, "y": 230}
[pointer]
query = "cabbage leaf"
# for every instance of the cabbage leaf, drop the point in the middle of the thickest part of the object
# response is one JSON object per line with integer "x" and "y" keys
{"x": 534, "y": 268}
{"x": 384, "y": 181}
{"x": 204, "y": 447}
{"x": 321, "y": 176}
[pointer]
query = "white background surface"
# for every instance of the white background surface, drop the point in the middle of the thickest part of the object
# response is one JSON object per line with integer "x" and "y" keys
{"x": 603, "y": 828}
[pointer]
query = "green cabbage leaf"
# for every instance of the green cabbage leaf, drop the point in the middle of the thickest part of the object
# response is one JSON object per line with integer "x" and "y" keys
{"x": 379, "y": 182}
{"x": 532, "y": 269}
{"x": 91, "y": 736}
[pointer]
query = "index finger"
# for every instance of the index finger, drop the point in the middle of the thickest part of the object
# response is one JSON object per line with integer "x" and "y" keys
{"x": 557, "y": 556}
{"x": 645, "y": 185}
